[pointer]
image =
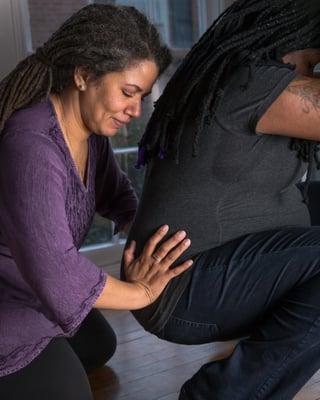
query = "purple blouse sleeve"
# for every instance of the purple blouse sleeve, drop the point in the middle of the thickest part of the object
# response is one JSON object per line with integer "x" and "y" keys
{"x": 115, "y": 197}
{"x": 35, "y": 226}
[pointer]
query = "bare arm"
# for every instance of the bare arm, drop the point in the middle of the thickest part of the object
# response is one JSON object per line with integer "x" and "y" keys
{"x": 118, "y": 295}
{"x": 296, "y": 112}
{"x": 147, "y": 275}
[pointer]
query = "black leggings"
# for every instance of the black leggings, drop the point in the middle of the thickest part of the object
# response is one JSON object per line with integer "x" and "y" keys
{"x": 59, "y": 372}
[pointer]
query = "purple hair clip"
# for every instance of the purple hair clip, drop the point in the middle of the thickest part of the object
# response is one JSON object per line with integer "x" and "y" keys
{"x": 141, "y": 157}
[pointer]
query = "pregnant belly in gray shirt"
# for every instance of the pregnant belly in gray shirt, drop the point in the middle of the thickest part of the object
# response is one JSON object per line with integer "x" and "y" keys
{"x": 240, "y": 183}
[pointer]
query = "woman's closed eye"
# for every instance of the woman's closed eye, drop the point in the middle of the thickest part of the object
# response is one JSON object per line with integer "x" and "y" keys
{"x": 128, "y": 94}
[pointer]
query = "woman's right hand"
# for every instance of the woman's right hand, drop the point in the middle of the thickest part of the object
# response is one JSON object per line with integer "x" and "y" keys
{"x": 151, "y": 272}
{"x": 147, "y": 275}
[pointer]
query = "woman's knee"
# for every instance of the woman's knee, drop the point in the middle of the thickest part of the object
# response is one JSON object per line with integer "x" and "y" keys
{"x": 103, "y": 335}
{"x": 95, "y": 342}
{"x": 56, "y": 373}
{"x": 106, "y": 343}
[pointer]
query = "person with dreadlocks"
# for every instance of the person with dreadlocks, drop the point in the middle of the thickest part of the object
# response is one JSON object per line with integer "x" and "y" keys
{"x": 229, "y": 139}
{"x": 90, "y": 76}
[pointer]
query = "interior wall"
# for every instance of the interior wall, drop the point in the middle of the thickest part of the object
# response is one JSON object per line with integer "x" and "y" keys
{"x": 19, "y": 17}
{"x": 15, "y": 38}
{"x": 44, "y": 22}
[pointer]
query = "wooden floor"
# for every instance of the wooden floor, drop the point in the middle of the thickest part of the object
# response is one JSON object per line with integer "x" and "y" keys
{"x": 147, "y": 368}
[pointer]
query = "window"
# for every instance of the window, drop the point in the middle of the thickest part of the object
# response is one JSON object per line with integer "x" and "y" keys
{"x": 180, "y": 22}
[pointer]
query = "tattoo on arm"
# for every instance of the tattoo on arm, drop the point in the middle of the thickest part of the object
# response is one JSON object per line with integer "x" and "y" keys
{"x": 309, "y": 92}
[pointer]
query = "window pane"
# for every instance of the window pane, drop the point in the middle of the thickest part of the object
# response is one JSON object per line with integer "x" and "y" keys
{"x": 100, "y": 232}
{"x": 141, "y": 5}
{"x": 178, "y": 21}
{"x": 181, "y": 24}
{"x": 153, "y": 9}
{"x": 130, "y": 136}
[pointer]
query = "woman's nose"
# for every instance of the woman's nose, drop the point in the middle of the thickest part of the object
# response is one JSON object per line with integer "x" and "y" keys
{"x": 134, "y": 110}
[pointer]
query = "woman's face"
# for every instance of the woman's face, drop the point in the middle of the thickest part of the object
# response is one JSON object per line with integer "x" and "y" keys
{"x": 115, "y": 99}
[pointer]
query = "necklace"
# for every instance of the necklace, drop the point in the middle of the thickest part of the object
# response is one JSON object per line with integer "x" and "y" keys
{"x": 80, "y": 161}
{"x": 79, "y": 157}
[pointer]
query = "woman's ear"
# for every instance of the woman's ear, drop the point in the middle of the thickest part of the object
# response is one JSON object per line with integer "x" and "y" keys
{"x": 81, "y": 76}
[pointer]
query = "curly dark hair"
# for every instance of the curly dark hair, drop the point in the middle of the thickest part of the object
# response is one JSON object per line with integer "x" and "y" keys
{"x": 249, "y": 32}
{"x": 99, "y": 37}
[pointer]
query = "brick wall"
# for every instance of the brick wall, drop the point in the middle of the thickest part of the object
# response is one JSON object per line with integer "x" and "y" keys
{"x": 46, "y": 16}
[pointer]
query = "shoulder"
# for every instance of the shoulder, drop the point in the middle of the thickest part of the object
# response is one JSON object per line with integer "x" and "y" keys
{"x": 31, "y": 159}
{"x": 21, "y": 150}
{"x": 257, "y": 73}
{"x": 259, "y": 80}
{"x": 26, "y": 135}
{"x": 250, "y": 90}
{"x": 36, "y": 118}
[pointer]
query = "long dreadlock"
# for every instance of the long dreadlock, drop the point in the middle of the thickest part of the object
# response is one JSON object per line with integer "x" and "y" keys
{"x": 101, "y": 38}
{"x": 250, "y": 32}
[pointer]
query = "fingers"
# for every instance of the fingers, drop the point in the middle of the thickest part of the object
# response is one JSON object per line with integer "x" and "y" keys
{"x": 152, "y": 243}
{"x": 176, "y": 253}
{"x": 129, "y": 253}
{"x": 170, "y": 244}
{"x": 172, "y": 273}
{"x": 171, "y": 251}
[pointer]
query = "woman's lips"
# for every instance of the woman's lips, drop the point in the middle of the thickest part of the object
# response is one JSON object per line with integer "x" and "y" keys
{"x": 119, "y": 124}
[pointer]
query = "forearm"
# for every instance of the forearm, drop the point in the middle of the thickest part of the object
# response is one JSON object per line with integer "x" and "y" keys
{"x": 119, "y": 295}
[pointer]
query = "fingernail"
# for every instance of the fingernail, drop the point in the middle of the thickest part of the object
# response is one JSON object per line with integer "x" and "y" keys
{"x": 187, "y": 242}
{"x": 190, "y": 262}
{"x": 164, "y": 228}
{"x": 181, "y": 234}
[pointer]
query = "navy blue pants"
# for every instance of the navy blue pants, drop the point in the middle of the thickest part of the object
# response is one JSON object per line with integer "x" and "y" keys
{"x": 265, "y": 289}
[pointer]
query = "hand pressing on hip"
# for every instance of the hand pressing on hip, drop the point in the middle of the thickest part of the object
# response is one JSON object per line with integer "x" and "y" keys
{"x": 148, "y": 274}
{"x": 151, "y": 270}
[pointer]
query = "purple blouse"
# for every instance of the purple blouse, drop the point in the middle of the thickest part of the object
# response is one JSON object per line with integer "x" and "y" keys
{"x": 46, "y": 286}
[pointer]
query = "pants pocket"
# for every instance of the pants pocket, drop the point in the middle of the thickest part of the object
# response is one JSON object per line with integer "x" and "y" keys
{"x": 182, "y": 331}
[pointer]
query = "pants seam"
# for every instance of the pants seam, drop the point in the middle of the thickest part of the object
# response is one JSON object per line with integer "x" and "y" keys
{"x": 192, "y": 323}
{"x": 316, "y": 247}
{"x": 257, "y": 256}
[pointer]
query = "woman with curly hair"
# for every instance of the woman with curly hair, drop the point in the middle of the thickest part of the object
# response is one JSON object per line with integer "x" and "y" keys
{"x": 58, "y": 108}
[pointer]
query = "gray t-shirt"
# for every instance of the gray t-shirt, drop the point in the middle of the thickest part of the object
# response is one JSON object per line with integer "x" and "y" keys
{"x": 240, "y": 182}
